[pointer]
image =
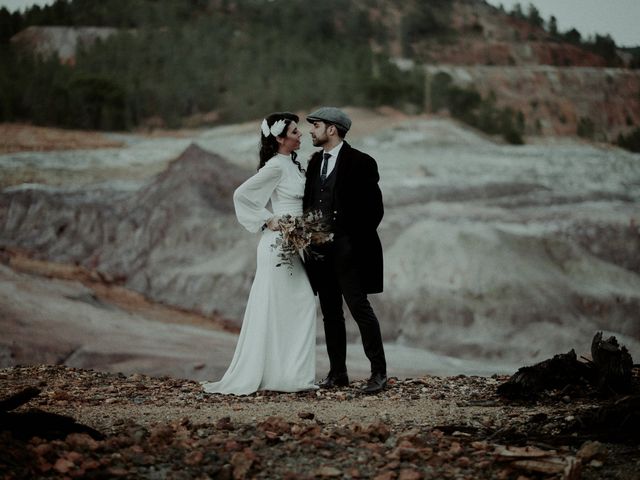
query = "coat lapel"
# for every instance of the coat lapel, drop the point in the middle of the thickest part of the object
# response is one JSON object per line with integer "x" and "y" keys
{"x": 343, "y": 163}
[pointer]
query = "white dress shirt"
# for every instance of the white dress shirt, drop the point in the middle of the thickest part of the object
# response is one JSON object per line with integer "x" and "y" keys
{"x": 332, "y": 160}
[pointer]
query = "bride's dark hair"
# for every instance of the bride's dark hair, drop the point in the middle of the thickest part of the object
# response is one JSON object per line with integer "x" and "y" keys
{"x": 269, "y": 145}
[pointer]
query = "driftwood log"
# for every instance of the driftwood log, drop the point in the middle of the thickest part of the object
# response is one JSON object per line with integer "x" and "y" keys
{"x": 555, "y": 373}
{"x": 610, "y": 372}
{"x": 612, "y": 363}
{"x": 26, "y": 424}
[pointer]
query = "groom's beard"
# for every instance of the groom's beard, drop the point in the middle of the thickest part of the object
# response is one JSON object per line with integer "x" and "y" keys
{"x": 319, "y": 141}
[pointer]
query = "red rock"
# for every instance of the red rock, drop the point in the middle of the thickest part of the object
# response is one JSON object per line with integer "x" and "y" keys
{"x": 405, "y": 444}
{"x": 159, "y": 434}
{"x": 306, "y": 415}
{"x": 386, "y": 476}
{"x": 232, "y": 446}
{"x": 374, "y": 447}
{"x": 193, "y": 458}
{"x": 401, "y": 453}
{"x": 242, "y": 462}
{"x": 327, "y": 472}
{"x": 317, "y": 442}
{"x": 63, "y": 465}
{"x": 275, "y": 424}
{"x": 413, "y": 436}
{"x": 77, "y": 473}
{"x": 118, "y": 471}
{"x": 42, "y": 449}
{"x": 307, "y": 430}
{"x": 61, "y": 395}
{"x": 136, "y": 449}
{"x": 43, "y": 465}
{"x": 353, "y": 472}
{"x": 503, "y": 474}
{"x": 480, "y": 445}
{"x": 343, "y": 441}
{"x": 74, "y": 457}
{"x": 224, "y": 424}
{"x": 289, "y": 475}
{"x": 90, "y": 464}
{"x": 426, "y": 452}
{"x": 81, "y": 440}
{"x": 410, "y": 474}
{"x": 455, "y": 448}
{"x": 592, "y": 450}
{"x": 378, "y": 430}
{"x": 250, "y": 454}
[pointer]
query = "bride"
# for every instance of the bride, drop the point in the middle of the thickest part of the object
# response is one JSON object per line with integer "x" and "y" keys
{"x": 276, "y": 348}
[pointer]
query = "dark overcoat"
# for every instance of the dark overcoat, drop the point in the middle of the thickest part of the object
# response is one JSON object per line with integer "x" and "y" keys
{"x": 359, "y": 210}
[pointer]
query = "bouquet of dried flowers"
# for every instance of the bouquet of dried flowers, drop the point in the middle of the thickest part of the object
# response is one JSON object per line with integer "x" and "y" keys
{"x": 298, "y": 233}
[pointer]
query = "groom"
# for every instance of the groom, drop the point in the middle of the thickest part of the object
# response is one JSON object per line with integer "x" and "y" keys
{"x": 342, "y": 182}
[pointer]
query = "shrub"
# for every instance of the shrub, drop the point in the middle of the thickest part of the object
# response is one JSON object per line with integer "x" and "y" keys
{"x": 630, "y": 142}
{"x": 468, "y": 106}
{"x": 586, "y": 128}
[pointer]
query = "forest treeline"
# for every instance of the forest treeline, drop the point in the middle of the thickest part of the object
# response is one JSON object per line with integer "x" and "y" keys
{"x": 176, "y": 58}
{"x": 229, "y": 60}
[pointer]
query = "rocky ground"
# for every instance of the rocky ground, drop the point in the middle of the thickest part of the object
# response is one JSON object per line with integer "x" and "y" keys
{"x": 418, "y": 428}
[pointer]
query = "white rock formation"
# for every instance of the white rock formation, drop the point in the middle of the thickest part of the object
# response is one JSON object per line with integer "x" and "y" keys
{"x": 493, "y": 253}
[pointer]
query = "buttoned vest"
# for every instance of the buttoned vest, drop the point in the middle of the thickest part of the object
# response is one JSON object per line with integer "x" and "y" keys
{"x": 323, "y": 198}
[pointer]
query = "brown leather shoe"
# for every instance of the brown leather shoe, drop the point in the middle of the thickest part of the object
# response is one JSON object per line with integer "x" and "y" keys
{"x": 376, "y": 383}
{"x": 334, "y": 380}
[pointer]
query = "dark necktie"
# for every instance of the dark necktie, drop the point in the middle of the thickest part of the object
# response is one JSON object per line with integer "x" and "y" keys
{"x": 323, "y": 173}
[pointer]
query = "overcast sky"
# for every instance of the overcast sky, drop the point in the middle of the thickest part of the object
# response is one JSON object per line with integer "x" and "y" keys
{"x": 618, "y": 18}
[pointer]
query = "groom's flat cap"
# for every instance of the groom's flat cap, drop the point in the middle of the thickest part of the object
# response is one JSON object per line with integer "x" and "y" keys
{"x": 330, "y": 115}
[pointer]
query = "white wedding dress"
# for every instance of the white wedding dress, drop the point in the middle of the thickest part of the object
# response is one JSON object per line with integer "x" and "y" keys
{"x": 276, "y": 348}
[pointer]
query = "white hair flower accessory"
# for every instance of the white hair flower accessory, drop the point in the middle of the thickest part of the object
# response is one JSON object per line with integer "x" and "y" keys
{"x": 265, "y": 128}
{"x": 276, "y": 129}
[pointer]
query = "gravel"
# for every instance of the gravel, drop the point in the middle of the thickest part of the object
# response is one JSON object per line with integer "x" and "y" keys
{"x": 418, "y": 428}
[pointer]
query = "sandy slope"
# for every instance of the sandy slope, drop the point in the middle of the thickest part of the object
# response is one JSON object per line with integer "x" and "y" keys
{"x": 90, "y": 325}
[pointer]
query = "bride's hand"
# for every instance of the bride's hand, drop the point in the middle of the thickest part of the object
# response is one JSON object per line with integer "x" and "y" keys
{"x": 272, "y": 224}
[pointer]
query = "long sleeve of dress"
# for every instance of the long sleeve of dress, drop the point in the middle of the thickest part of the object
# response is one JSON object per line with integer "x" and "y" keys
{"x": 250, "y": 199}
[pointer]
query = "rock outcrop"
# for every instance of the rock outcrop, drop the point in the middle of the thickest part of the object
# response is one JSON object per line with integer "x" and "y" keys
{"x": 556, "y": 100}
{"x": 174, "y": 240}
{"x": 61, "y": 41}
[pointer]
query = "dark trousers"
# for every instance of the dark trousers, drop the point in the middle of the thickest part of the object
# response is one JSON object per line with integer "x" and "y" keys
{"x": 337, "y": 278}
